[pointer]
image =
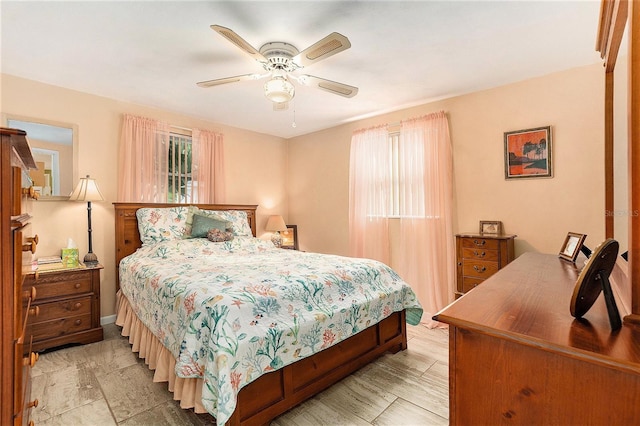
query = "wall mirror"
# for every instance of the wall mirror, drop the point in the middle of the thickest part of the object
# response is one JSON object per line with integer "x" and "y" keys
{"x": 55, "y": 149}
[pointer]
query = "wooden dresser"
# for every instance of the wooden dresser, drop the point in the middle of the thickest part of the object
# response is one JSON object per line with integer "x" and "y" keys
{"x": 518, "y": 357}
{"x": 67, "y": 309}
{"x": 479, "y": 256}
{"x": 17, "y": 358}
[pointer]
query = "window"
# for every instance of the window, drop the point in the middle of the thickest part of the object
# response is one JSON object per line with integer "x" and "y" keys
{"x": 180, "y": 187}
{"x": 406, "y": 169}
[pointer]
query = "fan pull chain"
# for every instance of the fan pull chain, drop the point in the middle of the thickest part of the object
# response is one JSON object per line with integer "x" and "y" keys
{"x": 294, "y": 117}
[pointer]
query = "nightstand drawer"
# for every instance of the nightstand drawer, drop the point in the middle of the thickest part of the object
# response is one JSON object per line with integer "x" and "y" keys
{"x": 479, "y": 269}
{"x": 479, "y": 242}
{"x": 480, "y": 254}
{"x": 60, "y": 327}
{"x": 62, "y": 309}
{"x": 469, "y": 283}
{"x": 59, "y": 285}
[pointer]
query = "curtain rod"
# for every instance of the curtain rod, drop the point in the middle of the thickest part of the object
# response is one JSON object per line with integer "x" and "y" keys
{"x": 181, "y": 128}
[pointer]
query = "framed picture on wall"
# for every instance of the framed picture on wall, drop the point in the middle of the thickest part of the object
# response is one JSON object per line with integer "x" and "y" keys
{"x": 290, "y": 238}
{"x": 527, "y": 153}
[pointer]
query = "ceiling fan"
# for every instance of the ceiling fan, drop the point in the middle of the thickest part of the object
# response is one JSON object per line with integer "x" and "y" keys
{"x": 281, "y": 61}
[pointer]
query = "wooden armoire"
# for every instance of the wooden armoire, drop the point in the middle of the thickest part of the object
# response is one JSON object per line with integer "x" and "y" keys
{"x": 16, "y": 237}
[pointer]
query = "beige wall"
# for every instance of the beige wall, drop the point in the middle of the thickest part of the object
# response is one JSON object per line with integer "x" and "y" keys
{"x": 255, "y": 167}
{"x": 306, "y": 178}
{"x": 539, "y": 211}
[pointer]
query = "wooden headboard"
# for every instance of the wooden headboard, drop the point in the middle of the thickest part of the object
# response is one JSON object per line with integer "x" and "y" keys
{"x": 128, "y": 236}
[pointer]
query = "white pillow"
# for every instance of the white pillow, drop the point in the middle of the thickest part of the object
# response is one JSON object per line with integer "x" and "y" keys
{"x": 157, "y": 224}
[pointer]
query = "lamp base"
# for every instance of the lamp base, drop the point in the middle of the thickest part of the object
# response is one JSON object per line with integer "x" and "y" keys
{"x": 276, "y": 239}
{"x": 90, "y": 259}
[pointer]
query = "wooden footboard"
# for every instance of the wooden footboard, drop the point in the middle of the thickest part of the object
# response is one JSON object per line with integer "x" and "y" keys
{"x": 275, "y": 393}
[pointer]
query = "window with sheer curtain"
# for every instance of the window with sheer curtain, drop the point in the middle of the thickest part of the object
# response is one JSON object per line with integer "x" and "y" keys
{"x": 157, "y": 165}
{"x": 406, "y": 177}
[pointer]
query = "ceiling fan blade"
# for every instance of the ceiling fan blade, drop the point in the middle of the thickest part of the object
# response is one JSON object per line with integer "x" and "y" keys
{"x": 329, "y": 85}
{"x": 330, "y": 45}
{"x": 220, "y": 81}
{"x": 240, "y": 42}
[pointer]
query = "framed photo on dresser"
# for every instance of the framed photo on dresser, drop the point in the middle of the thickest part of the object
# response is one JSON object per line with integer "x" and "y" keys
{"x": 290, "y": 238}
{"x": 571, "y": 246}
{"x": 493, "y": 227}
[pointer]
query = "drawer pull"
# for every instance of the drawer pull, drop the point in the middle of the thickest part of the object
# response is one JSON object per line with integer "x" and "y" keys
{"x": 480, "y": 242}
{"x": 77, "y": 285}
{"x": 479, "y": 253}
{"x": 30, "y": 246}
{"x": 78, "y": 321}
{"x": 31, "y": 359}
{"x": 33, "y": 403}
{"x": 479, "y": 268}
{"x": 29, "y": 294}
{"x": 76, "y": 306}
{"x": 35, "y": 311}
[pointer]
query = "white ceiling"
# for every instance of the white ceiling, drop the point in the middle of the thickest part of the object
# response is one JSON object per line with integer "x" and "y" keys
{"x": 402, "y": 53}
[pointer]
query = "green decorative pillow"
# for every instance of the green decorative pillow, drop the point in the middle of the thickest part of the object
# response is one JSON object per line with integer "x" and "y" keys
{"x": 202, "y": 224}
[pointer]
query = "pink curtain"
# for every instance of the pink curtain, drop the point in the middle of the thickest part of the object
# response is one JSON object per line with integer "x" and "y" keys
{"x": 426, "y": 237}
{"x": 143, "y": 160}
{"x": 208, "y": 166}
{"x": 369, "y": 180}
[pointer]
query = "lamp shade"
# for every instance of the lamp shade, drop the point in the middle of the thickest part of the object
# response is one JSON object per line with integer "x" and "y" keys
{"x": 276, "y": 223}
{"x": 86, "y": 190}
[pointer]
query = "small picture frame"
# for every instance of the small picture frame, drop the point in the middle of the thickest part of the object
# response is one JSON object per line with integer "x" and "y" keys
{"x": 493, "y": 227}
{"x": 290, "y": 238}
{"x": 571, "y": 246}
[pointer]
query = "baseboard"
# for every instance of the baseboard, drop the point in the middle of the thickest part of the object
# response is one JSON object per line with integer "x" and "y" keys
{"x": 107, "y": 320}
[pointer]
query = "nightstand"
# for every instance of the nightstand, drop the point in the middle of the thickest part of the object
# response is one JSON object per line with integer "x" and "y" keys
{"x": 479, "y": 256}
{"x": 66, "y": 308}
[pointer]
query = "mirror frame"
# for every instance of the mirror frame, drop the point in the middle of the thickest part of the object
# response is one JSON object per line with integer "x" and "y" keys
{"x": 74, "y": 128}
{"x": 614, "y": 15}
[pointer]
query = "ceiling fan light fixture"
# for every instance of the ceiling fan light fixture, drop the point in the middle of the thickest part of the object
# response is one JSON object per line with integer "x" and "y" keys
{"x": 279, "y": 89}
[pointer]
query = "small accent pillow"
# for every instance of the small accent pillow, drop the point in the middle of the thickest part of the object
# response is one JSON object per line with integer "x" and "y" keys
{"x": 238, "y": 218}
{"x": 218, "y": 236}
{"x": 158, "y": 224}
{"x": 202, "y": 224}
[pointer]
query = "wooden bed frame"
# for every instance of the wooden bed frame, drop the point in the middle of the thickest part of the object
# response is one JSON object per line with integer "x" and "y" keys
{"x": 275, "y": 393}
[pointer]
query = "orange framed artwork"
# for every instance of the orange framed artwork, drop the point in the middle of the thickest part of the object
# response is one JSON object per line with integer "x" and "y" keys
{"x": 527, "y": 153}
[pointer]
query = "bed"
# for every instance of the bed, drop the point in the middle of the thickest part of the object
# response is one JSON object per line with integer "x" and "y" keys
{"x": 238, "y": 328}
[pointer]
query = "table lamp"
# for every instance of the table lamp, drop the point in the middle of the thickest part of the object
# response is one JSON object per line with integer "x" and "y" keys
{"x": 87, "y": 190}
{"x": 276, "y": 224}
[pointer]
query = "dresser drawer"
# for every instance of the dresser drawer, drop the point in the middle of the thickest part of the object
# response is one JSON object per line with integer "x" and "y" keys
{"x": 59, "y": 285}
{"x": 62, "y": 309}
{"x": 479, "y": 269}
{"x": 479, "y": 242}
{"x": 59, "y": 327}
{"x": 480, "y": 254}
{"x": 469, "y": 283}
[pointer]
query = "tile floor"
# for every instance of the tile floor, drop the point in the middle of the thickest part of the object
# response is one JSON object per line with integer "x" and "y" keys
{"x": 105, "y": 383}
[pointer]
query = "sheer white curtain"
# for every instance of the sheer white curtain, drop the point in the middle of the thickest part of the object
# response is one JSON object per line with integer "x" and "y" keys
{"x": 143, "y": 160}
{"x": 208, "y": 166}
{"x": 369, "y": 180}
{"x": 428, "y": 250}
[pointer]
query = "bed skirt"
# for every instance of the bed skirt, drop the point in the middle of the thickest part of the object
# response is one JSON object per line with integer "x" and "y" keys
{"x": 157, "y": 357}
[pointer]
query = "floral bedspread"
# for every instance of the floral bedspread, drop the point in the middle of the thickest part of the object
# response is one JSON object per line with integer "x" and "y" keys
{"x": 232, "y": 311}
